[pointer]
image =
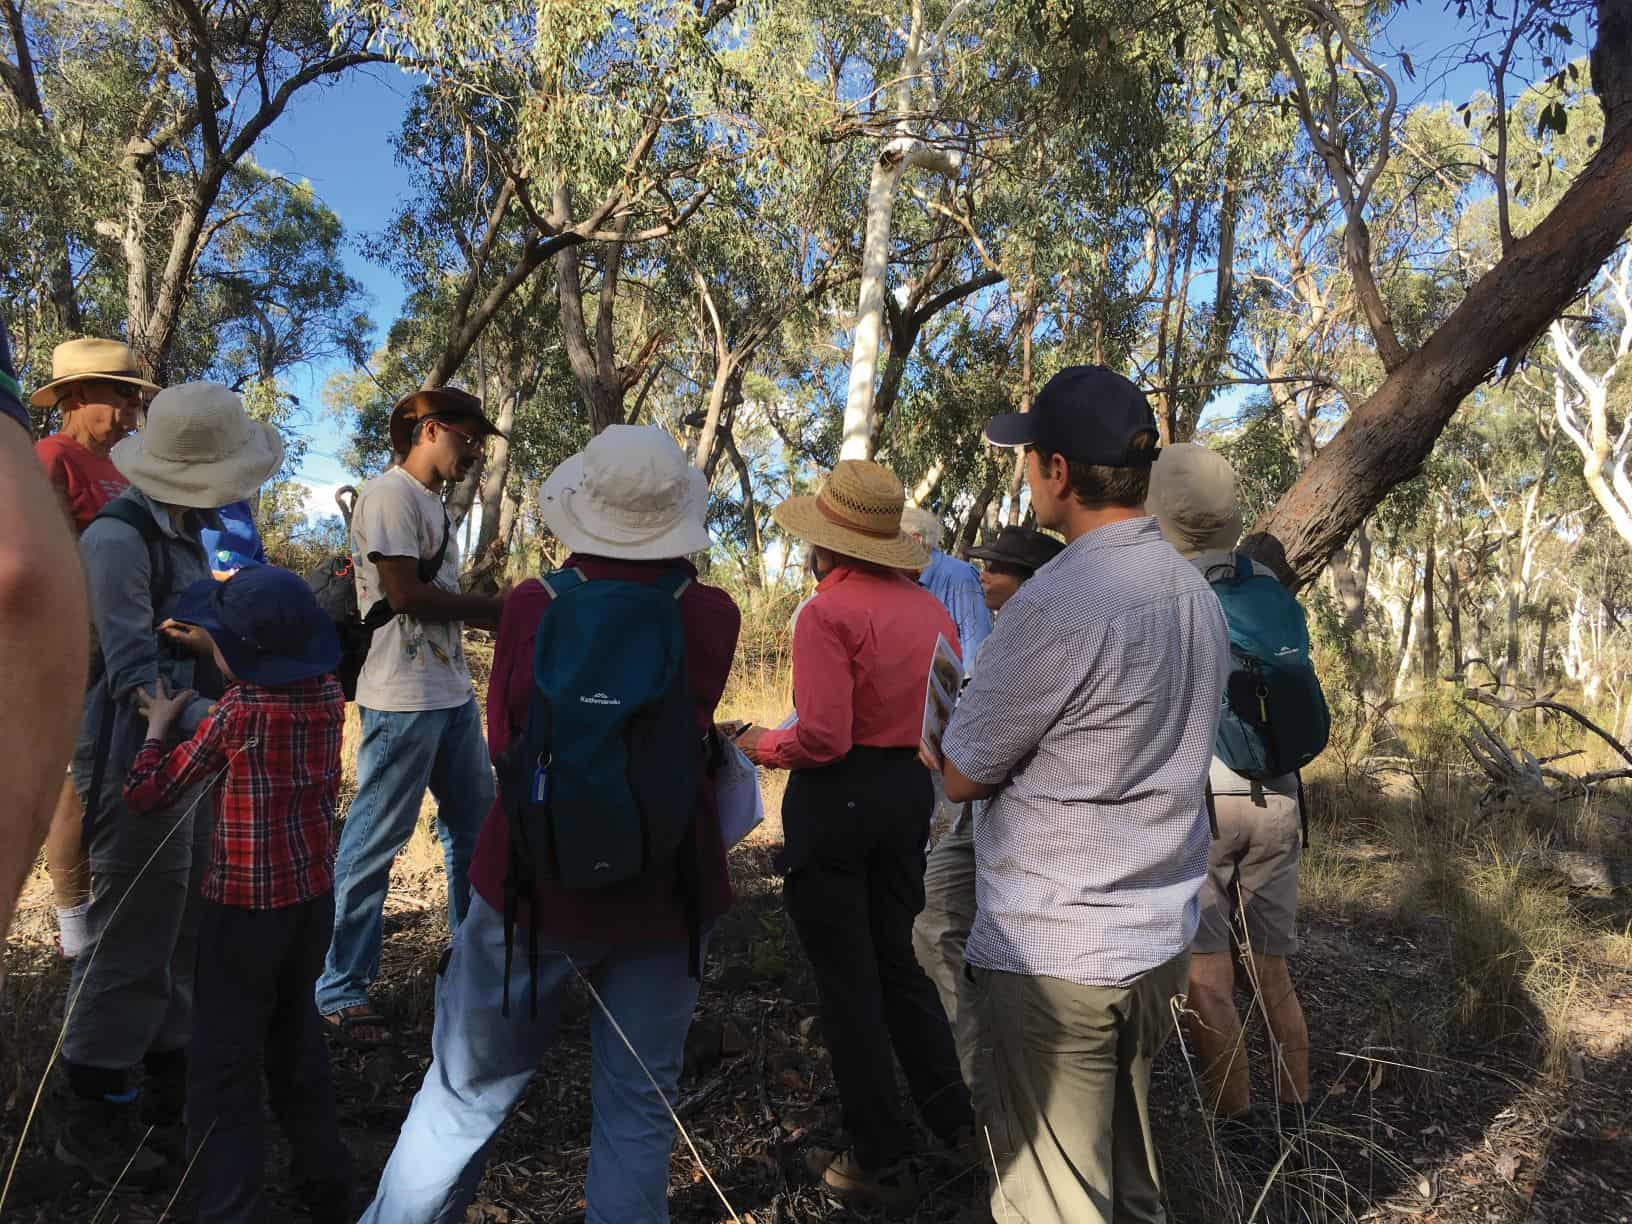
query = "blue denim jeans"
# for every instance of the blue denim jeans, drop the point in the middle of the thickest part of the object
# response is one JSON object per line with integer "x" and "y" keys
{"x": 402, "y": 753}
{"x": 482, "y": 1061}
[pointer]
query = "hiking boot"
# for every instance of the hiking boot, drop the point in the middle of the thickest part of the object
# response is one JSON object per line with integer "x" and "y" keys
{"x": 163, "y": 1104}
{"x": 890, "y": 1187}
{"x": 104, "y": 1140}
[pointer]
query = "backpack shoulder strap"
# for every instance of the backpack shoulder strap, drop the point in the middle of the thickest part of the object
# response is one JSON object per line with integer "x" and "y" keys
{"x": 561, "y": 581}
{"x": 140, "y": 520}
{"x": 430, "y": 569}
{"x": 674, "y": 582}
{"x": 1243, "y": 567}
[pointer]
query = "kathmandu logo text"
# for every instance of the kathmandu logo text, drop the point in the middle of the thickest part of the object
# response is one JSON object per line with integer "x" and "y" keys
{"x": 600, "y": 699}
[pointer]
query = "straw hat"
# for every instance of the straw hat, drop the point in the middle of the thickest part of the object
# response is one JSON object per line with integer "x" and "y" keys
{"x": 1192, "y": 495}
{"x": 629, "y": 494}
{"x": 79, "y": 360}
{"x": 856, "y": 512}
{"x": 200, "y": 449}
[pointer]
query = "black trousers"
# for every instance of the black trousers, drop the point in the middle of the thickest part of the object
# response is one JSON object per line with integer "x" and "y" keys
{"x": 854, "y": 860}
{"x": 253, "y": 1014}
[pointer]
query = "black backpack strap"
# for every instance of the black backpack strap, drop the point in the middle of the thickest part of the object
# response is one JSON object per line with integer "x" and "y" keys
{"x": 1212, "y": 807}
{"x": 381, "y": 613}
{"x": 428, "y": 570}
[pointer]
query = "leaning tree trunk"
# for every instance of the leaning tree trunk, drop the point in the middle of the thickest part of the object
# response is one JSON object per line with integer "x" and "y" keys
{"x": 1388, "y": 436}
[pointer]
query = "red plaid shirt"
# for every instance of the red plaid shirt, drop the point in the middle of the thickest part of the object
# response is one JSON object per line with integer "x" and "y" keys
{"x": 273, "y": 844}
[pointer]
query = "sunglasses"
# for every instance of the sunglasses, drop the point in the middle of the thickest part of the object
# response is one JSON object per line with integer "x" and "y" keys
{"x": 472, "y": 442}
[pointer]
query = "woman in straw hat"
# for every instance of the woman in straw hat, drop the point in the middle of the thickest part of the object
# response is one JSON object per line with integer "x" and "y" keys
{"x": 132, "y": 989}
{"x": 855, "y": 817}
{"x": 99, "y": 392}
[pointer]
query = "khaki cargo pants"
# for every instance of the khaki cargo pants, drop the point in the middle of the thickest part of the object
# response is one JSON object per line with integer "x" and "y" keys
{"x": 1062, "y": 1088}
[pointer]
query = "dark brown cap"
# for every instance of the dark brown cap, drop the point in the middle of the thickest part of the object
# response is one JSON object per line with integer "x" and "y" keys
{"x": 440, "y": 403}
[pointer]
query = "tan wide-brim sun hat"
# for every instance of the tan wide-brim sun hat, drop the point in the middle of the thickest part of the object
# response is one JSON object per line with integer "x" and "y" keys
{"x": 856, "y": 513}
{"x": 200, "y": 449}
{"x": 629, "y": 495}
{"x": 82, "y": 360}
{"x": 1192, "y": 494}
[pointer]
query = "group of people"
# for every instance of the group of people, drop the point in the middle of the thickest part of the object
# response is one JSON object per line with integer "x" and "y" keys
{"x": 1078, "y": 908}
{"x": 1023, "y": 981}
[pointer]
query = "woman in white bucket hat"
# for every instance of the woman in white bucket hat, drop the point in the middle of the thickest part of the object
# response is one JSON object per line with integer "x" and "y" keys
{"x": 630, "y": 509}
{"x": 133, "y": 987}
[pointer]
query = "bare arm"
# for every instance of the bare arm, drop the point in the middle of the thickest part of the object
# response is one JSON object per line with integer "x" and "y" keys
{"x": 960, "y": 789}
{"x": 44, "y": 643}
{"x": 399, "y": 579}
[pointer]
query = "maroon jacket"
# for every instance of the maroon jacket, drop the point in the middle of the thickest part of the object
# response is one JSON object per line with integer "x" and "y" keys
{"x": 648, "y": 908}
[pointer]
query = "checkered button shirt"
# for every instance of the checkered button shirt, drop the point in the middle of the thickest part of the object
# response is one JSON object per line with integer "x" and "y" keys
{"x": 273, "y": 755}
{"x": 1094, "y": 709}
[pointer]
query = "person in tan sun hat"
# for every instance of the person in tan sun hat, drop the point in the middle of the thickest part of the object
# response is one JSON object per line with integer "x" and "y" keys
{"x": 133, "y": 986}
{"x": 855, "y": 818}
{"x": 1250, "y": 896}
{"x": 99, "y": 392}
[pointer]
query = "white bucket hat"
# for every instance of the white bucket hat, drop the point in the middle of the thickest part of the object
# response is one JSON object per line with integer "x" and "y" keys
{"x": 200, "y": 449}
{"x": 1192, "y": 495}
{"x": 629, "y": 494}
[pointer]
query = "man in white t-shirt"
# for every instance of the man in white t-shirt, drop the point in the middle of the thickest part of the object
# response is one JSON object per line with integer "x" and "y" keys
{"x": 421, "y": 725}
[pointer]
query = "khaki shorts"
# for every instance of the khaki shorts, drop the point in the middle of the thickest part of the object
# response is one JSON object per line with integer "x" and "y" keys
{"x": 1252, "y": 876}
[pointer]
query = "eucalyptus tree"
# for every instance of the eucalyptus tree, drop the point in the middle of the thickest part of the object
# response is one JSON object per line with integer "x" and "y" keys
{"x": 1500, "y": 314}
{"x": 602, "y": 125}
{"x": 136, "y": 124}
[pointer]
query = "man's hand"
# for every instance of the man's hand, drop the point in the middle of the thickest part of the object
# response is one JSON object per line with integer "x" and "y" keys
{"x": 747, "y": 742}
{"x": 161, "y": 708}
{"x": 929, "y": 760}
{"x": 190, "y": 638}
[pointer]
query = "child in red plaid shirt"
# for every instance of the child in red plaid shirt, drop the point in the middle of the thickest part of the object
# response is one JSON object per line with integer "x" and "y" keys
{"x": 271, "y": 752}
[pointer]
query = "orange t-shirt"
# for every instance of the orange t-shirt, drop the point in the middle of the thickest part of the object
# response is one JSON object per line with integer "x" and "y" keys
{"x": 84, "y": 481}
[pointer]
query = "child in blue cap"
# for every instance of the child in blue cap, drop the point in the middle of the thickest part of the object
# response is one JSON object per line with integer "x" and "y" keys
{"x": 270, "y": 751}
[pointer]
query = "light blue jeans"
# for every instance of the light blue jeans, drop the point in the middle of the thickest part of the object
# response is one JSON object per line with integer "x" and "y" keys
{"x": 482, "y": 1061}
{"x": 402, "y": 753}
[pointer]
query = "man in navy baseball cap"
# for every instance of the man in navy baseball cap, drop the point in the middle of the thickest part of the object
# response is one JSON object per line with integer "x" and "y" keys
{"x": 1086, "y": 413}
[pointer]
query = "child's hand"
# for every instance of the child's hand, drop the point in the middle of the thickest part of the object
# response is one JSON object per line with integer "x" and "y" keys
{"x": 190, "y": 638}
{"x": 161, "y": 708}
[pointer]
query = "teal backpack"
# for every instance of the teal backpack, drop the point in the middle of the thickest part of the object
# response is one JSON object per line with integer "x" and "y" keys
{"x": 1275, "y": 718}
{"x": 601, "y": 787}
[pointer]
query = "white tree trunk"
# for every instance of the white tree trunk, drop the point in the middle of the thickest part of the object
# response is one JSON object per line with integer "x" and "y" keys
{"x": 1581, "y": 404}
{"x": 903, "y": 149}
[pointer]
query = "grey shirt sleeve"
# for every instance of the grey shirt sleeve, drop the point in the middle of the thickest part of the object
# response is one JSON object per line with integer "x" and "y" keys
{"x": 118, "y": 578}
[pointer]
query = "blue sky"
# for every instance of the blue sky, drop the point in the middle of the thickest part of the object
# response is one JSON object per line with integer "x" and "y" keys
{"x": 339, "y": 139}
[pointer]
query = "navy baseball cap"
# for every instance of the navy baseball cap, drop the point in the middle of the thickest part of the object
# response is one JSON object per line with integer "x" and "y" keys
{"x": 266, "y": 623}
{"x": 1087, "y": 413}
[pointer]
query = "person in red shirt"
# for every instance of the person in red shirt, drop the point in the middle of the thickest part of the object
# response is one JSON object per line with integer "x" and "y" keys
{"x": 99, "y": 393}
{"x": 630, "y": 508}
{"x": 855, "y": 819}
{"x": 270, "y": 756}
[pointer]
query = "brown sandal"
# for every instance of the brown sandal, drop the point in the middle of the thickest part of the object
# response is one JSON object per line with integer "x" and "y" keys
{"x": 341, "y": 1023}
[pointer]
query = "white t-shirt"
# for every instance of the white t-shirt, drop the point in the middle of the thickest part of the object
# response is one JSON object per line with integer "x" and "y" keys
{"x": 412, "y": 664}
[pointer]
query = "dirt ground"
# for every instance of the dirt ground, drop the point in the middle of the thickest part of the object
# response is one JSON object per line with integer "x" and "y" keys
{"x": 1470, "y": 1134}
